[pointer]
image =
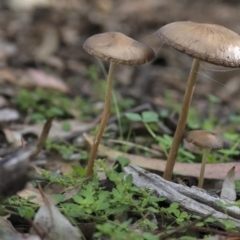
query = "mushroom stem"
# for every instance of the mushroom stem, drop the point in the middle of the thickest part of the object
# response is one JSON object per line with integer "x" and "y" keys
{"x": 182, "y": 120}
{"x": 103, "y": 123}
{"x": 201, "y": 176}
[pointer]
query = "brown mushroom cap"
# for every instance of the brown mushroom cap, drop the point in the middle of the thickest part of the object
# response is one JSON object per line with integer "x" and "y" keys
{"x": 205, "y": 139}
{"x": 118, "y": 48}
{"x": 207, "y": 42}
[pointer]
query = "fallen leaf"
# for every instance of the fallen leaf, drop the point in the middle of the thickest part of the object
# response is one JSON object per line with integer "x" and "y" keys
{"x": 32, "y": 78}
{"x": 30, "y": 191}
{"x": 8, "y": 75}
{"x": 3, "y": 102}
{"x": 53, "y": 188}
{"x": 49, "y": 44}
{"x": 212, "y": 171}
{"x": 228, "y": 189}
{"x": 57, "y": 130}
{"x": 13, "y": 137}
{"x": 6, "y": 227}
{"x": 42, "y": 79}
{"x": 49, "y": 220}
{"x": 9, "y": 114}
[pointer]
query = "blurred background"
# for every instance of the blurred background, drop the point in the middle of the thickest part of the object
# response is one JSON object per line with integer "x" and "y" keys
{"x": 47, "y": 35}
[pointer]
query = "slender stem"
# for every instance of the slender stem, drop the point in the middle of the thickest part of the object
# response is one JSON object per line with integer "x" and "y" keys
{"x": 116, "y": 105}
{"x": 115, "y": 102}
{"x": 182, "y": 120}
{"x": 201, "y": 176}
{"x": 103, "y": 123}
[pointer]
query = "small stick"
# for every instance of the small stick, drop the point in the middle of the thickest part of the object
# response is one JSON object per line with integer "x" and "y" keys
{"x": 43, "y": 137}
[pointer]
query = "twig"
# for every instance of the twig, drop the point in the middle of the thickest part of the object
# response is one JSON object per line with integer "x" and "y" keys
{"x": 42, "y": 139}
{"x": 176, "y": 193}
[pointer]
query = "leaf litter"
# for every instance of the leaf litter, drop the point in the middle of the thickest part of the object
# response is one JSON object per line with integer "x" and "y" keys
{"x": 219, "y": 171}
{"x": 50, "y": 223}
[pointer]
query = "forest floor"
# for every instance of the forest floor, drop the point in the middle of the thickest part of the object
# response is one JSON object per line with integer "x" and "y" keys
{"x": 45, "y": 73}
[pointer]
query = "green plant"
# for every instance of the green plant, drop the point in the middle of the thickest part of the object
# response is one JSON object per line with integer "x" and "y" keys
{"x": 213, "y": 100}
{"x": 193, "y": 120}
{"x": 72, "y": 179}
{"x": 164, "y": 141}
{"x": 181, "y": 216}
{"x": 43, "y": 104}
{"x": 122, "y": 231}
{"x": 65, "y": 150}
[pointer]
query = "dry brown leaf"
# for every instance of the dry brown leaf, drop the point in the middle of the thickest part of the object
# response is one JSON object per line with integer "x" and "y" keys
{"x": 212, "y": 171}
{"x": 53, "y": 188}
{"x": 29, "y": 191}
{"x": 9, "y": 75}
{"x": 42, "y": 79}
{"x": 228, "y": 189}
{"x": 50, "y": 220}
{"x": 3, "y": 102}
{"x": 66, "y": 167}
{"x": 6, "y": 226}
{"x": 32, "y": 78}
{"x": 57, "y": 128}
{"x": 49, "y": 44}
{"x": 13, "y": 137}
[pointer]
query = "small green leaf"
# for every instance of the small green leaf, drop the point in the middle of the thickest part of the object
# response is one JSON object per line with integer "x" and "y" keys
{"x": 128, "y": 179}
{"x": 30, "y": 198}
{"x": 200, "y": 224}
{"x": 59, "y": 198}
{"x": 66, "y": 126}
{"x": 135, "y": 117}
{"x": 149, "y": 116}
{"x": 174, "y": 205}
{"x": 123, "y": 161}
{"x": 116, "y": 193}
{"x": 80, "y": 171}
{"x": 26, "y": 212}
{"x": 184, "y": 215}
{"x": 149, "y": 236}
{"x": 77, "y": 199}
{"x": 152, "y": 209}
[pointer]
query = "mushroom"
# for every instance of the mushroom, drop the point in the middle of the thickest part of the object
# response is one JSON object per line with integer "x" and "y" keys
{"x": 204, "y": 42}
{"x": 207, "y": 141}
{"x": 115, "y": 48}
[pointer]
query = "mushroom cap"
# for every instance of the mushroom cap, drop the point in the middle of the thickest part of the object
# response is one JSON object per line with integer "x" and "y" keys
{"x": 207, "y": 42}
{"x": 118, "y": 48}
{"x": 205, "y": 139}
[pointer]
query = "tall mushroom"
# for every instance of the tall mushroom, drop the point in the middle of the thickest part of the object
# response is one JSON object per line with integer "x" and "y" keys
{"x": 115, "y": 48}
{"x": 207, "y": 141}
{"x": 204, "y": 42}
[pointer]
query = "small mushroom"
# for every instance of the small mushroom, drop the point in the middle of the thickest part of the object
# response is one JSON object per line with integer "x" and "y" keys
{"x": 207, "y": 141}
{"x": 115, "y": 48}
{"x": 204, "y": 42}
